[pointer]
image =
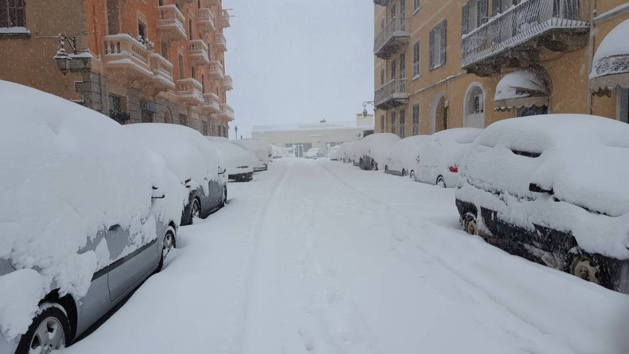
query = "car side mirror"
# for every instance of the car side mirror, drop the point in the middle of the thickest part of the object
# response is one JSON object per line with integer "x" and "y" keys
{"x": 536, "y": 188}
{"x": 157, "y": 194}
{"x": 222, "y": 172}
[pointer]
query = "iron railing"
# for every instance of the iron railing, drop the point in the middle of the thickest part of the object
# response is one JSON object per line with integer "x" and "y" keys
{"x": 394, "y": 89}
{"x": 395, "y": 27}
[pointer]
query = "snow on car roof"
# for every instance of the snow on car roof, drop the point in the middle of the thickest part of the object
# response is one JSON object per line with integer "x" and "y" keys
{"x": 232, "y": 155}
{"x": 458, "y": 135}
{"x": 67, "y": 173}
{"x": 378, "y": 142}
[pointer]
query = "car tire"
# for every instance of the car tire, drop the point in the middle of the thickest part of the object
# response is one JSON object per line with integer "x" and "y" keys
{"x": 49, "y": 331}
{"x": 412, "y": 175}
{"x": 441, "y": 182}
{"x": 224, "y": 200}
{"x": 403, "y": 173}
{"x": 586, "y": 268}
{"x": 170, "y": 242}
{"x": 195, "y": 210}
{"x": 470, "y": 225}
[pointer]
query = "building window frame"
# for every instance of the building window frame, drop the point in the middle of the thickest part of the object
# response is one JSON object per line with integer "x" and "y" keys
{"x": 12, "y": 14}
{"x": 402, "y": 123}
{"x": 416, "y": 6}
{"x": 438, "y": 45}
{"x": 393, "y": 126}
{"x": 416, "y": 60}
{"x": 403, "y": 65}
{"x": 415, "y": 119}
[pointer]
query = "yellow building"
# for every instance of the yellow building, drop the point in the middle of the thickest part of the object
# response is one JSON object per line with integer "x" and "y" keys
{"x": 134, "y": 60}
{"x": 455, "y": 63}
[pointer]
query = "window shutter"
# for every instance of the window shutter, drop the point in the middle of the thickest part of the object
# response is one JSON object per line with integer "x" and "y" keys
{"x": 483, "y": 11}
{"x": 496, "y": 7}
{"x": 465, "y": 18}
{"x": 432, "y": 48}
{"x": 444, "y": 42}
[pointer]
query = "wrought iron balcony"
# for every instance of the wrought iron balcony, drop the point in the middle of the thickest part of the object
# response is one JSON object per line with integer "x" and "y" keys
{"x": 190, "y": 91}
{"x": 381, "y": 2}
{"x": 391, "y": 39}
{"x": 210, "y": 104}
{"x": 226, "y": 112}
{"x": 391, "y": 95}
{"x": 126, "y": 56}
{"x": 198, "y": 52}
{"x": 205, "y": 20}
{"x": 525, "y": 34}
{"x": 228, "y": 83}
{"x": 220, "y": 43}
{"x": 216, "y": 70}
{"x": 170, "y": 23}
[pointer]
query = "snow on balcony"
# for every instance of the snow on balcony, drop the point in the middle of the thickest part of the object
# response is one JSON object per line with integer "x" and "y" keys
{"x": 220, "y": 43}
{"x": 170, "y": 23}
{"x": 391, "y": 95}
{"x": 198, "y": 52}
{"x": 226, "y": 111}
{"x": 205, "y": 20}
{"x": 210, "y": 104}
{"x": 190, "y": 91}
{"x": 391, "y": 39}
{"x": 216, "y": 70}
{"x": 225, "y": 19}
{"x": 228, "y": 83}
{"x": 126, "y": 54}
{"x": 162, "y": 71}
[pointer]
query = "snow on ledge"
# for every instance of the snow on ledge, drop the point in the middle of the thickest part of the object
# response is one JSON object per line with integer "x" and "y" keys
{"x": 16, "y": 30}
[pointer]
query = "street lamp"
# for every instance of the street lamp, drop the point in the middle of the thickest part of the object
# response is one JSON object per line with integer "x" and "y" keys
{"x": 62, "y": 58}
{"x": 365, "y": 108}
{"x": 236, "y": 129}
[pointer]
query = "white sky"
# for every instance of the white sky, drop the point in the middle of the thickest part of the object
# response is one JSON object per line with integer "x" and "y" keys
{"x": 298, "y": 61}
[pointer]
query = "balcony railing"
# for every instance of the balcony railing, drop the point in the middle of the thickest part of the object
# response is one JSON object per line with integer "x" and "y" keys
{"x": 210, "y": 104}
{"x": 225, "y": 19}
{"x": 551, "y": 24}
{"x": 227, "y": 112}
{"x": 220, "y": 43}
{"x": 162, "y": 71}
{"x": 381, "y": 2}
{"x": 170, "y": 23}
{"x": 198, "y": 52}
{"x": 189, "y": 91}
{"x": 205, "y": 20}
{"x": 391, "y": 95}
{"x": 228, "y": 83}
{"x": 125, "y": 53}
{"x": 391, "y": 39}
{"x": 216, "y": 70}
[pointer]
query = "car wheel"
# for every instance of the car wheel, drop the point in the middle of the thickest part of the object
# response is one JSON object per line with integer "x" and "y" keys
{"x": 412, "y": 175}
{"x": 195, "y": 210}
{"x": 586, "y": 269}
{"x": 49, "y": 331}
{"x": 386, "y": 169}
{"x": 403, "y": 173}
{"x": 471, "y": 225}
{"x": 441, "y": 182}
{"x": 170, "y": 242}
{"x": 224, "y": 200}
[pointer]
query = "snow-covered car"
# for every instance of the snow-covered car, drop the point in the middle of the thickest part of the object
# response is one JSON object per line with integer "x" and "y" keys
{"x": 280, "y": 152}
{"x": 441, "y": 154}
{"x": 374, "y": 149}
{"x": 312, "y": 153}
{"x": 335, "y": 153}
{"x": 403, "y": 156}
{"x": 87, "y": 213}
{"x": 192, "y": 159}
{"x": 352, "y": 152}
{"x": 553, "y": 189}
{"x": 262, "y": 150}
{"x": 238, "y": 161}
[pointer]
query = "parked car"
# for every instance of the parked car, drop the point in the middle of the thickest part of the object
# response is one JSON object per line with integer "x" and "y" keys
{"x": 87, "y": 212}
{"x": 441, "y": 154}
{"x": 402, "y": 158}
{"x": 374, "y": 149}
{"x": 262, "y": 150}
{"x": 335, "y": 153}
{"x": 280, "y": 152}
{"x": 552, "y": 189}
{"x": 192, "y": 159}
{"x": 238, "y": 161}
{"x": 312, "y": 153}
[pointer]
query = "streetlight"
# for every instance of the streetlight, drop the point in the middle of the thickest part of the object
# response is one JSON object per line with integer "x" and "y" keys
{"x": 236, "y": 129}
{"x": 62, "y": 58}
{"x": 365, "y": 108}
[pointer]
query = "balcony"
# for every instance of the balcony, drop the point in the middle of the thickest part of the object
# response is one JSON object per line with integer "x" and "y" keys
{"x": 226, "y": 112}
{"x": 198, "y": 52}
{"x": 210, "y": 104}
{"x": 205, "y": 20}
{"x": 162, "y": 72}
{"x": 228, "y": 83}
{"x": 216, "y": 70}
{"x": 170, "y": 23}
{"x": 220, "y": 43}
{"x": 189, "y": 91}
{"x": 215, "y": 2}
{"x": 127, "y": 57}
{"x": 381, "y": 2}
{"x": 391, "y": 39}
{"x": 225, "y": 19}
{"x": 391, "y": 95}
{"x": 527, "y": 33}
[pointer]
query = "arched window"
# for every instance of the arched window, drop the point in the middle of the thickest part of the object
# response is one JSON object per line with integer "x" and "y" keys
{"x": 474, "y": 107}
{"x": 439, "y": 114}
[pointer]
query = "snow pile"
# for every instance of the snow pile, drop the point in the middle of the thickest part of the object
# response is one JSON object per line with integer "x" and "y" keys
{"x": 234, "y": 158}
{"x": 611, "y": 56}
{"x": 377, "y": 146}
{"x": 581, "y": 159}
{"x": 261, "y": 148}
{"x": 22, "y": 290}
{"x": 403, "y": 155}
{"x": 67, "y": 173}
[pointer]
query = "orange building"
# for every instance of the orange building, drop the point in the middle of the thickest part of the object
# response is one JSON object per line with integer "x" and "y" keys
{"x": 133, "y": 60}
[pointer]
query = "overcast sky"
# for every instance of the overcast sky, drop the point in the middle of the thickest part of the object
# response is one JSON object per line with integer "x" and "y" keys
{"x": 298, "y": 61}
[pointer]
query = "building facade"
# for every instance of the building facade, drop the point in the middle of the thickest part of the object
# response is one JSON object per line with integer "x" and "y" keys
{"x": 133, "y": 60}
{"x": 469, "y": 63}
{"x": 301, "y": 137}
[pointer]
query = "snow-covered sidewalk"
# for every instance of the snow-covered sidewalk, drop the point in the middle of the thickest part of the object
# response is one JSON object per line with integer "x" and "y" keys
{"x": 318, "y": 256}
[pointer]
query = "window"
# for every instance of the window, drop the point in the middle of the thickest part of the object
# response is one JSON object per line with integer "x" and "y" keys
{"x": 402, "y": 123}
{"x": 382, "y": 77}
{"x": 180, "y": 70}
{"x": 183, "y": 119}
{"x": 194, "y": 72}
{"x": 190, "y": 29}
{"x": 113, "y": 16}
{"x": 474, "y": 15}
{"x": 382, "y": 124}
{"x": 393, "y": 67}
{"x": 403, "y": 65}
{"x": 203, "y": 83}
{"x": 416, "y": 59}
{"x": 416, "y": 4}
{"x": 415, "y": 119}
{"x": 164, "y": 48}
{"x": 141, "y": 30}
{"x": 393, "y": 122}
{"x": 438, "y": 45}
{"x": 146, "y": 111}
{"x": 12, "y": 13}
{"x": 204, "y": 127}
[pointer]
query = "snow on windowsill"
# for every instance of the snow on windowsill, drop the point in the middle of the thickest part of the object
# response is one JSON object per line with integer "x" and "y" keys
{"x": 16, "y": 30}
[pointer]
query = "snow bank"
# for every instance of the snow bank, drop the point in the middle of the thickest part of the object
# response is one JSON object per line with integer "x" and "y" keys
{"x": 377, "y": 146}
{"x": 20, "y": 293}
{"x": 67, "y": 173}
{"x": 234, "y": 158}
{"x": 581, "y": 158}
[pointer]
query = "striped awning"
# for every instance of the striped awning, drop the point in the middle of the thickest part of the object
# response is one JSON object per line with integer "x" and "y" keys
{"x": 523, "y": 88}
{"x": 610, "y": 66}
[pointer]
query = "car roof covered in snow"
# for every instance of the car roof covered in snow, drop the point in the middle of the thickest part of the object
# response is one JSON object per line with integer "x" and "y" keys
{"x": 457, "y": 135}
{"x": 231, "y": 155}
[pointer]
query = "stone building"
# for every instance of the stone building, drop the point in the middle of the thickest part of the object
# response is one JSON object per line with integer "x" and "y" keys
{"x": 455, "y": 63}
{"x": 133, "y": 60}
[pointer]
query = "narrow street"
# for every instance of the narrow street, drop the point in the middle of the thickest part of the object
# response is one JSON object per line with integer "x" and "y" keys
{"x": 321, "y": 257}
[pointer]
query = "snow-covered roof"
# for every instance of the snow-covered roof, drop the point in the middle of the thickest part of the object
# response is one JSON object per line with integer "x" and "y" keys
{"x": 349, "y": 125}
{"x": 526, "y": 87}
{"x": 610, "y": 65}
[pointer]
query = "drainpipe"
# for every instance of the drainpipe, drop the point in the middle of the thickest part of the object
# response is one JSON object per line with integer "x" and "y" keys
{"x": 591, "y": 51}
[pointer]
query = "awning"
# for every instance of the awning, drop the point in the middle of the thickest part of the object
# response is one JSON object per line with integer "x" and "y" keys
{"x": 610, "y": 66}
{"x": 523, "y": 88}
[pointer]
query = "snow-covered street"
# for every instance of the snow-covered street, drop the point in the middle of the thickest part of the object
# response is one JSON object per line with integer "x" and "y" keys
{"x": 321, "y": 257}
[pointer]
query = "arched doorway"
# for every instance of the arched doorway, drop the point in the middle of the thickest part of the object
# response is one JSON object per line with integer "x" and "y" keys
{"x": 439, "y": 114}
{"x": 474, "y": 107}
{"x": 168, "y": 116}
